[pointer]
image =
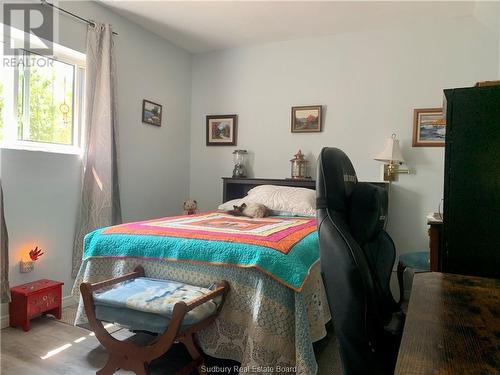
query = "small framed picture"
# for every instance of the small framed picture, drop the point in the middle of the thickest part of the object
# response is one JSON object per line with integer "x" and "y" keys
{"x": 151, "y": 113}
{"x": 222, "y": 130}
{"x": 429, "y": 127}
{"x": 306, "y": 119}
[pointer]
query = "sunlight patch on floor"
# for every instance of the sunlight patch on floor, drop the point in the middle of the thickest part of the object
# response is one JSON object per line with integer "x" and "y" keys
{"x": 66, "y": 346}
{"x": 56, "y": 351}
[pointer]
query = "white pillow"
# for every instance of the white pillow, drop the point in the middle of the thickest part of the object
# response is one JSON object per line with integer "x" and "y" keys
{"x": 227, "y": 206}
{"x": 285, "y": 199}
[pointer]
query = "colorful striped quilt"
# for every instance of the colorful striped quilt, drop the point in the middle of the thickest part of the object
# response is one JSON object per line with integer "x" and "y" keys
{"x": 285, "y": 248}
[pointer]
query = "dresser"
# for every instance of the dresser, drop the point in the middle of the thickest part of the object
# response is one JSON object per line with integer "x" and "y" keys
{"x": 435, "y": 243}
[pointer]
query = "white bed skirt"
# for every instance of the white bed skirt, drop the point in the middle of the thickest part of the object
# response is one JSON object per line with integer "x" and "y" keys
{"x": 264, "y": 325}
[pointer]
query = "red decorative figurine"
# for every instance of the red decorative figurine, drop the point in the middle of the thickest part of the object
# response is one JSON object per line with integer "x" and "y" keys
{"x": 35, "y": 253}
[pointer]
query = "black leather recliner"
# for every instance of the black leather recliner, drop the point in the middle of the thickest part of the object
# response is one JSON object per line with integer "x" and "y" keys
{"x": 357, "y": 258}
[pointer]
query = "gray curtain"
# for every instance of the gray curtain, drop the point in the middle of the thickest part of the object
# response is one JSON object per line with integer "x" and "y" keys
{"x": 100, "y": 202}
{"x": 4, "y": 243}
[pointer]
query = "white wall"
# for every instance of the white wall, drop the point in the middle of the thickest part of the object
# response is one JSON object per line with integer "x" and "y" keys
{"x": 488, "y": 13}
{"x": 369, "y": 83}
{"x": 42, "y": 189}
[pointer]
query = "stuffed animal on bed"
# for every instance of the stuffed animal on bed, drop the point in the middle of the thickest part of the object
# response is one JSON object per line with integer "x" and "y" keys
{"x": 190, "y": 207}
{"x": 253, "y": 210}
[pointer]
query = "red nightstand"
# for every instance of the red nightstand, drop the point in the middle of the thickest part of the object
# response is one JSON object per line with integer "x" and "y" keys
{"x": 39, "y": 297}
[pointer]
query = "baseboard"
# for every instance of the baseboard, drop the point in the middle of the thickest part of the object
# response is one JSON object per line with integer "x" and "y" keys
{"x": 4, "y": 321}
{"x": 66, "y": 301}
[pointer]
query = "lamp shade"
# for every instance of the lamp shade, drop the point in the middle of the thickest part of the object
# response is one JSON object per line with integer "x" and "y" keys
{"x": 391, "y": 151}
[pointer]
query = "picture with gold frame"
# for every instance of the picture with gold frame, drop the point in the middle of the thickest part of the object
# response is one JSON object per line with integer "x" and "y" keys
{"x": 429, "y": 127}
{"x": 306, "y": 119}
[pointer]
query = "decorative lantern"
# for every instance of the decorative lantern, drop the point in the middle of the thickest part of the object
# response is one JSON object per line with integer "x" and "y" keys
{"x": 239, "y": 163}
{"x": 299, "y": 167}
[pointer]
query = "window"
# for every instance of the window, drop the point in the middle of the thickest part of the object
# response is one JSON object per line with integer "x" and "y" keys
{"x": 42, "y": 101}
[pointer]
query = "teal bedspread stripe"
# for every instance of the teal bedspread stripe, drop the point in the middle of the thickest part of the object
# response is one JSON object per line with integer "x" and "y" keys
{"x": 290, "y": 269}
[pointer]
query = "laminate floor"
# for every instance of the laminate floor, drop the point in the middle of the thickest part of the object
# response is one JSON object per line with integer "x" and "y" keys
{"x": 53, "y": 347}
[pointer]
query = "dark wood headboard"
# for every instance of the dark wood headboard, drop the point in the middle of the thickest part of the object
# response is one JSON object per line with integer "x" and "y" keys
{"x": 234, "y": 188}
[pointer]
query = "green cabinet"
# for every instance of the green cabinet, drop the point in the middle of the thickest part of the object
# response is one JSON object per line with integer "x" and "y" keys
{"x": 471, "y": 231}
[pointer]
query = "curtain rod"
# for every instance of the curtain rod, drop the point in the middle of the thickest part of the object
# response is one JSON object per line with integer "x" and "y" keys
{"x": 44, "y": 2}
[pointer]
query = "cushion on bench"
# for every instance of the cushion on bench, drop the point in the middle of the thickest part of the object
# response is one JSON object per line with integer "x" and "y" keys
{"x": 146, "y": 304}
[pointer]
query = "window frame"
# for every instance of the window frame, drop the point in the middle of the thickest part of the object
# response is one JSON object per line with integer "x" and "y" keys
{"x": 11, "y": 97}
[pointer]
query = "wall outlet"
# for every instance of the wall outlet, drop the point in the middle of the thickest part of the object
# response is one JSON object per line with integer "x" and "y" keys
{"x": 25, "y": 267}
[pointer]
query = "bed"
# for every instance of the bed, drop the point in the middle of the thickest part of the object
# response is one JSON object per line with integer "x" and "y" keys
{"x": 277, "y": 305}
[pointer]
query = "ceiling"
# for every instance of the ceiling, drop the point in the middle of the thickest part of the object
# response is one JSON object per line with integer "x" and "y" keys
{"x": 202, "y": 26}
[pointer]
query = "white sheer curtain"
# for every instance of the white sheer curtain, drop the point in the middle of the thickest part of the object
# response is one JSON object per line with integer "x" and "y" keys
{"x": 100, "y": 202}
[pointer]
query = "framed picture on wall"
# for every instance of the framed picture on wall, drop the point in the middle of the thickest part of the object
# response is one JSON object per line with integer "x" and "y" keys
{"x": 151, "y": 113}
{"x": 222, "y": 130}
{"x": 429, "y": 127}
{"x": 306, "y": 119}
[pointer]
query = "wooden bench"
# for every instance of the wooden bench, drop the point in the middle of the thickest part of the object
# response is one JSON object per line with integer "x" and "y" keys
{"x": 130, "y": 356}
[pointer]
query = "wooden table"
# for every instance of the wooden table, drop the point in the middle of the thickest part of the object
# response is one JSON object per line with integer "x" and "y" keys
{"x": 452, "y": 326}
